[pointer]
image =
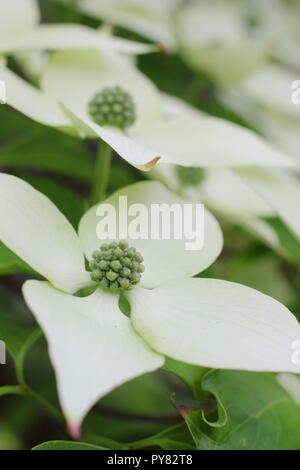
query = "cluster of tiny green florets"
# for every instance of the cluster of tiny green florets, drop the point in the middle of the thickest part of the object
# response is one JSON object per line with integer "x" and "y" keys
{"x": 116, "y": 266}
{"x": 112, "y": 107}
{"x": 189, "y": 176}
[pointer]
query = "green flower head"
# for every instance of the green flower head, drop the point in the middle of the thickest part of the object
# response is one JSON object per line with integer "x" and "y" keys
{"x": 116, "y": 266}
{"x": 112, "y": 107}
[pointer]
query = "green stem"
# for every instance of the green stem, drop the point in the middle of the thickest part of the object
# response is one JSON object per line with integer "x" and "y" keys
{"x": 10, "y": 390}
{"x": 48, "y": 407}
{"x": 101, "y": 173}
{"x": 24, "y": 388}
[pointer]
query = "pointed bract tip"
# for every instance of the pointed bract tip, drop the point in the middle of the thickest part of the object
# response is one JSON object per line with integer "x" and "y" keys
{"x": 149, "y": 165}
{"x": 74, "y": 430}
{"x": 107, "y": 28}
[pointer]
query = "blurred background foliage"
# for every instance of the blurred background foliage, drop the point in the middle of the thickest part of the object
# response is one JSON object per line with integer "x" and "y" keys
{"x": 141, "y": 412}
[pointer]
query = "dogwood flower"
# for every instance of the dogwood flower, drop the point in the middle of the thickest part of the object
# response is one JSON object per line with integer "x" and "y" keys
{"x": 22, "y": 32}
{"x": 93, "y": 346}
{"x": 94, "y": 89}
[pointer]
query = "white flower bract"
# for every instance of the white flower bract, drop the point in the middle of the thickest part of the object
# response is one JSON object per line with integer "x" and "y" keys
{"x": 92, "y": 345}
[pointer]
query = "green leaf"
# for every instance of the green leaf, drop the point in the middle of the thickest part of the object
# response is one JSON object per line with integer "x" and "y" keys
{"x": 10, "y": 263}
{"x": 15, "y": 329}
{"x": 137, "y": 409}
{"x": 104, "y": 442}
{"x": 191, "y": 375}
{"x": 120, "y": 175}
{"x": 24, "y": 143}
{"x": 173, "y": 438}
{"x": 10, "y": 439}
{"x": 154, "y": 393}
{"x": 67, "y": 445}
{"x": 263, "y": 273}
{"x": 257, "y": 412}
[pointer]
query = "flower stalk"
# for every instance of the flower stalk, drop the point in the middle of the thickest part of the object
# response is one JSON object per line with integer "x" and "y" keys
{"x": 101, "y": 173}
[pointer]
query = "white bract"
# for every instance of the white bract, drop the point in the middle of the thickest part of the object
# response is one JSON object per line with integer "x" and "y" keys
{"x": 72, "y": 79}
{"x": 224, "y": 192}
{"x": 20, "y": 31}
{"x": 151, "y": 19}
{"x": 92, "y": 345}
{"x": 243, "y": 193}
{"x": 265, "y": 99}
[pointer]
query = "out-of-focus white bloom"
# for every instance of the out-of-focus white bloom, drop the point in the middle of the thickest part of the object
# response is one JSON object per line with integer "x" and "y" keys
{"x": 230, "y": 39}
{"x": 92, "y": 345}
{"x": 245, "y": 194}
{"x": 20, "y": 31}
{"x": 262, "y": 94}
{"x": 224, "y": 38}
{"x": 236, "y": 44}
{"x": 151, "y": 19}
{"x": 277, "y": 22}
{"x": 217, "y": 37}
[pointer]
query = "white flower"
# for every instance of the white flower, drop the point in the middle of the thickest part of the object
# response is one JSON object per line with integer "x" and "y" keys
{"x": 226, "y": 39}
{"x": 20, "y": 31}
{"x": 93, "y": 346}
{"x": 74, "y": 79}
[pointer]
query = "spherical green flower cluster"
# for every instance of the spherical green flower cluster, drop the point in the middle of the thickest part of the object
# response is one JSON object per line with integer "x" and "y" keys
{"x": 112, "y": 107}
{"x": 116, "y": 266}
{"x": 189, "y": 176}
